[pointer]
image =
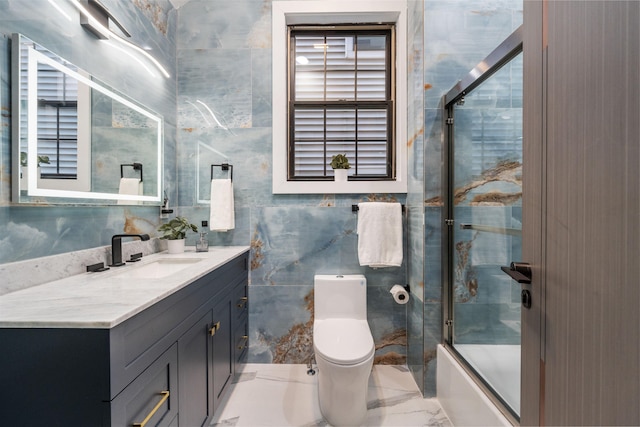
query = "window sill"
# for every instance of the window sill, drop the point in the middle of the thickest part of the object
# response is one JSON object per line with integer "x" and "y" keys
{"x": 333, "y": 187}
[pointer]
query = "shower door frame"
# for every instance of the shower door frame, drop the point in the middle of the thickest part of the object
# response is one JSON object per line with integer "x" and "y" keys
{"x": 511, "y": 47}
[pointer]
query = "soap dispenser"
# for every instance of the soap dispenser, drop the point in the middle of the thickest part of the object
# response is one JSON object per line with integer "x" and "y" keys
{"x": 202, "y": 244}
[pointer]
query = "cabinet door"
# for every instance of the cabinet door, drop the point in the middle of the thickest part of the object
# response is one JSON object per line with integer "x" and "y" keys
{"x": 240, "y": 343}
{"x": 222, "y": 350}
{"x": 240, "y": 301}
{"x": 152, "y": 398}
{"x": 195, "y": 373}
{"x": 240, "y": 307}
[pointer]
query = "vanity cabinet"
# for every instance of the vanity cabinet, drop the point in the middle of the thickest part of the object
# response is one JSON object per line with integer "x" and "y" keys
{"x": 170, "y": 363}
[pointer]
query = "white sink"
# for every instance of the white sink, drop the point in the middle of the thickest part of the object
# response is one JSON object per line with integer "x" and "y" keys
{"x": 160, "y": 268}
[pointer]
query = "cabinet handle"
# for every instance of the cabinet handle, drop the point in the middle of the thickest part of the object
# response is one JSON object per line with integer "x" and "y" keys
{"x": 242, "y": 302}
{"x": 214, "y": 328}
{"x": 165, "y": 396}
{"x": 245, "y": 338}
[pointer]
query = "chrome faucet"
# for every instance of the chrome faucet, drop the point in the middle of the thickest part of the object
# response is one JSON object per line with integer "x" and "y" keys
{"x": 116, "y": 247}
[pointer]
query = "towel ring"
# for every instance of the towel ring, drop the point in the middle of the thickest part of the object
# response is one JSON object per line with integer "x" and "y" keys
{"x": 225, "y": 167}
{"x": 135, "y": 166}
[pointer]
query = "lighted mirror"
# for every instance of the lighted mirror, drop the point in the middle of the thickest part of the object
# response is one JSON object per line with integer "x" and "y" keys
{"x": 77, "y": 140}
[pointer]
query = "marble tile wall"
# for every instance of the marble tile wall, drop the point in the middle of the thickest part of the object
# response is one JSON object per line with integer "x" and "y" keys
{"x": 224, "y": 59}
{"x": 28, "y": 232}
{"x": 415, "y": 195}
{"x": 457, "y": 35}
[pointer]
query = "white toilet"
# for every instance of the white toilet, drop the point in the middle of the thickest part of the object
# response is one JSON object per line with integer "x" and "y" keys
{"x": 343, "y": 347}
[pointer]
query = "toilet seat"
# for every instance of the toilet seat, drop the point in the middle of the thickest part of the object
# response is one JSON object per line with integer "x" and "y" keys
{"x": 343, "y": 341}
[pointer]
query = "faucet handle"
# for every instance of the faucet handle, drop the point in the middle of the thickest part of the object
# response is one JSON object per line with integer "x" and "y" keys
{"x": 95, "y": 268}
{"x": 135, "y": 257}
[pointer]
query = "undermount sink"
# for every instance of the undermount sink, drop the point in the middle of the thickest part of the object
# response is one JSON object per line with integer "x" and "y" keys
{"x": 160, "y": 268}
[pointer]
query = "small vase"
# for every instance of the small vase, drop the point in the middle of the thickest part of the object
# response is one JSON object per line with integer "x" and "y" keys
{"x": 175, "y": 246}
{"x": 340, "y": 175}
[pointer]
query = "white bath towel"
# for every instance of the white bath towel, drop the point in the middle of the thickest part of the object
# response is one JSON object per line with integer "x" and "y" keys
{"x": 130, "y": 186}
{"x": 222, "y": 210}
{"x": 380, "y": 234}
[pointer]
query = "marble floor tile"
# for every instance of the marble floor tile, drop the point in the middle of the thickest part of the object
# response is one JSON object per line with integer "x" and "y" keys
{"x": 284, "y": 395}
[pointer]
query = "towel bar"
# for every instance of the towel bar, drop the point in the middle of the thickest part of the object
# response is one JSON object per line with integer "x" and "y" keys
{"x": 135, "y": 166}
{"x": 225, "y": 167}
{"x": 491, "y": 229}
{"x": 354, "y": 208}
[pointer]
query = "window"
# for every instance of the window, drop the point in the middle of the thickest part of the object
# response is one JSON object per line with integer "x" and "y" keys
{"x": 341, "y": 101}
{"x": 339, "y": 86}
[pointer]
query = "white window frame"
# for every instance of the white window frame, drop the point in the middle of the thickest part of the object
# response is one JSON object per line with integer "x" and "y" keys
{"x": 320, "y": 12}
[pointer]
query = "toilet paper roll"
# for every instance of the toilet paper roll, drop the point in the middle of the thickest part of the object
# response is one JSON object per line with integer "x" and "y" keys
{"x": 400, "y": 294}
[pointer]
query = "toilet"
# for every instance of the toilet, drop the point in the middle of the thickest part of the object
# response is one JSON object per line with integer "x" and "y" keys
{"x": 343, "y": 346}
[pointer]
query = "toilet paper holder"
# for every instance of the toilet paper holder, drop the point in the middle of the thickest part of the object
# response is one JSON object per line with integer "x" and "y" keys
{"x": 398, "y": 295}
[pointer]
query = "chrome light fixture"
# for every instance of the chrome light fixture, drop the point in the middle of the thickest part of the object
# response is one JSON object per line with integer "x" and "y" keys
{"x": 95, "y": 17}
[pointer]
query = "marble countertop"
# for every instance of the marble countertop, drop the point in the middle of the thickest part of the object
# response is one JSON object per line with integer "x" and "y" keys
{"x": 105, "y": 299}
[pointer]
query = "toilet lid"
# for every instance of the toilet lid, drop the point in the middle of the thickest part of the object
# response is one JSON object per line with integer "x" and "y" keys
{"x": 343, "y": 341}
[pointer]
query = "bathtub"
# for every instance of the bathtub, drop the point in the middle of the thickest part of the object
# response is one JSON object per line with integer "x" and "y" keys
{"x": 461, "y": 398}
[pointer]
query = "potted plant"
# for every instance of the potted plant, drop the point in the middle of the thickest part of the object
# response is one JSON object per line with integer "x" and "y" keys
{"x": 174, "y": 232}
{"x": 23, "y": 168}
{"x": 340, "y": 165}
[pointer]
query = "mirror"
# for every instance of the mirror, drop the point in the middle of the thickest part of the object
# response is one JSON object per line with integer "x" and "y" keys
{"x": 89, "y": 143}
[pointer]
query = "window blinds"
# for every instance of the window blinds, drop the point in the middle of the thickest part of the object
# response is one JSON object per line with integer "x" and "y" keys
{"x": 340, "y": 104}
{"x": 57, "y": 119}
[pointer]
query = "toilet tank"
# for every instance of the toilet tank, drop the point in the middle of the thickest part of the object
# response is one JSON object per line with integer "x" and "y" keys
{"x": 338, "y": 296}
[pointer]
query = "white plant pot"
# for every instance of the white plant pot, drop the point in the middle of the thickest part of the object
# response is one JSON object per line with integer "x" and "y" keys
{"x": 340, "y": 175}
{"x": 175, "y": 246}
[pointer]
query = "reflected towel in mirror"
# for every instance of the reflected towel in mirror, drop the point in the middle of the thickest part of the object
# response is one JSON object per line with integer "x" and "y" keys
{"x": 132, "y": 187}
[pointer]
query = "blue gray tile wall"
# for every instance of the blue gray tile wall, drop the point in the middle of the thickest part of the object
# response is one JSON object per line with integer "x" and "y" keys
{"x": 224, "y": 59}
{"x": 30, "y": 232}
{"x": 415, "y": 195}
{"x": 458, "y": 34}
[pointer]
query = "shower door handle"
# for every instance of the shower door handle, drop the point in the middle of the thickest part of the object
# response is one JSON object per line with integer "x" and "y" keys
{"x": 519, "y": 271}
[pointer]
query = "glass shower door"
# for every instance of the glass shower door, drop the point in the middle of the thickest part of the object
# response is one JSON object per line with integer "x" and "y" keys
{"x": 486, "y": 209}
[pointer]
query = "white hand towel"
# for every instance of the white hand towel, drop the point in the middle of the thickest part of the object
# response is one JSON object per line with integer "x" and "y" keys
{"x": 380, "y": 234}
{"x": 222, "y": 210}
{"x": 130, "y": 186}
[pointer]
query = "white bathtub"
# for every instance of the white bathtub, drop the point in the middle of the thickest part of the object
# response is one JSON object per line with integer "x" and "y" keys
{"x": 461, "y": 398}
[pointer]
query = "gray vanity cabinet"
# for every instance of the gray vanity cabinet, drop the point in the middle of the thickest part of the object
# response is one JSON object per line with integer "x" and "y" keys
{"x": 172, "y": 362}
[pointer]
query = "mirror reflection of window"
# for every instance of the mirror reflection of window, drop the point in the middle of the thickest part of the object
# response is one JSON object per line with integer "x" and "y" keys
{"x": 57, "y": 123}
{"x": 63, "y": 145}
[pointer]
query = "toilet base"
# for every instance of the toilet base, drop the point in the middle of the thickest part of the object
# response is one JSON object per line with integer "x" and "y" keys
{"x": 342, "y": 391}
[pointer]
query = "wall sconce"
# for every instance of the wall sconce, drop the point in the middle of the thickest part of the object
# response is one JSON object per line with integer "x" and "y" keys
{"x": 94, "y": 17}
{"x": 97, "y": 20}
